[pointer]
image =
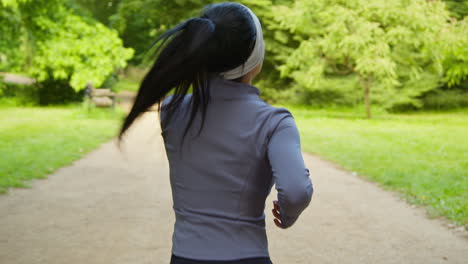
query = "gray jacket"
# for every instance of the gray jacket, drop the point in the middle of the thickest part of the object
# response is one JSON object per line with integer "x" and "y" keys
{"x": 221, "y": 178}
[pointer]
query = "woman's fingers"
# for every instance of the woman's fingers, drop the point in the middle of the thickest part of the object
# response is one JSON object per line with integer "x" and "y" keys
{"x": 277, "y": 214}
{"x": 278, "y": 223}
{"x": 276, "y": 205}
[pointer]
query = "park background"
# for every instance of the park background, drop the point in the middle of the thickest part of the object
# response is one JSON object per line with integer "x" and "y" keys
{"x": 378, "y": 86}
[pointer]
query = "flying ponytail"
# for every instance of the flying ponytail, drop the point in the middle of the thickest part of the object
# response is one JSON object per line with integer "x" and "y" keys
{"x": 181, "y": 64}
{"x": 191, "y": 53}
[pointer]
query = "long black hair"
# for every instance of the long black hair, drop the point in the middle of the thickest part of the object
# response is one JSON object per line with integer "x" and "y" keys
{"x": 191, "y": 53}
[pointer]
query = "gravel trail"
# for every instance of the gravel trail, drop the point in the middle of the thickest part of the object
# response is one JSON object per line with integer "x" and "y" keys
{"x": 115, "y": 207}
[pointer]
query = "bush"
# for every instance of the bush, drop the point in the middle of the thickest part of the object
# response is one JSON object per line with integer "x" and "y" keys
{"x": 274, "y": 90}
{"x": 445, "y": 100}
{"x": 332, "y": 91}
{"x": 44, "y": 93}
{"x": 52, "y": 92}
{"x": 17, "y": 94}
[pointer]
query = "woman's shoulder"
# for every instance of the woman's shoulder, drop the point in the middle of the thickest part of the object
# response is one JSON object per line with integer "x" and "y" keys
{"x": 276, "y": 111}
{"x": 170, "y": 97}
{"x": 274, "y": 116}
{"x": 166, "y": 102}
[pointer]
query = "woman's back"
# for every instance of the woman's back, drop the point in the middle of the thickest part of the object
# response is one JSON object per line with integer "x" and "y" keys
{"x": 226, "y": 147}
{"x": 221, "y": 177}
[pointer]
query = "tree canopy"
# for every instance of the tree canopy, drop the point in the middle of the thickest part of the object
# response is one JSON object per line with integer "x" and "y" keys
{"x": 389, "y": 46}
{"x": 58, "y": 44}
{"x": 389, "y": 53}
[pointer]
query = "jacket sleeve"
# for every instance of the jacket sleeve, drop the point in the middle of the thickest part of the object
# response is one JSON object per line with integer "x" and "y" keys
{"x": 290, "y": 175}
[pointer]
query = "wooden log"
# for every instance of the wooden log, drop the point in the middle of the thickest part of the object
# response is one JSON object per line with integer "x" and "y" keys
{"x": 102, "y": 101}
{"x": 101, "y": 92}
{"x": 17, "y": 79}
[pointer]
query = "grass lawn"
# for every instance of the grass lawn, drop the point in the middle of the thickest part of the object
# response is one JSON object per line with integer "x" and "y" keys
{"x": 35, "y": 141}
{"x": 126, "y": 84}
{"x": 423, "y": 156}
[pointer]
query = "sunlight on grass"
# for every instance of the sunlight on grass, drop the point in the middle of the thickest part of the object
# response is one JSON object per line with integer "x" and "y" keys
{"x": 127, "y": 85}
{"x": 35, "y": 141}
{"x": 424, "y": 156}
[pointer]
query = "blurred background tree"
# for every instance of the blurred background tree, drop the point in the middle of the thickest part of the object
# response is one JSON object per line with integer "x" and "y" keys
{"x": 399, "y": 54}
{"x": 99, "y": 9}
{"x": 387, "y": 49}
{"x": 399, "y": 50}
{"x": 63, "y": 50}
{"x": 457, "y": 8}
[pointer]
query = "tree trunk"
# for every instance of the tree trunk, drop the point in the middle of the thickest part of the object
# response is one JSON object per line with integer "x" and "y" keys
{"x": 367, "y": 99}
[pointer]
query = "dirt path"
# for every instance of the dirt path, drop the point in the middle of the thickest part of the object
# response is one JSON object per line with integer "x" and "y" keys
{"x": 113, "y": 207}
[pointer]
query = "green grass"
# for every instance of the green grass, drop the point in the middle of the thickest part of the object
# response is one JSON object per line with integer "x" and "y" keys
{"x": 127, "y": 85}
{"x": 423, "y": 156}
{"x": 36, "y": 141}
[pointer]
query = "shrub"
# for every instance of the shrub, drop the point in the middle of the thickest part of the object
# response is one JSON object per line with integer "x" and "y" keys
{"x": 446, "y": 100}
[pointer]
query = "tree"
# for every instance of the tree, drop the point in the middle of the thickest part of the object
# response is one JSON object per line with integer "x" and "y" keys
{"x": 79, "y": 53}
{"x": 11, "y": 41}
{"x": 66, "y": 48}
{"x": 390, "y": 53}
{"x": 99, "y": 9}
{"x": 388, "y": 46}
{"x": 139, "y": 22}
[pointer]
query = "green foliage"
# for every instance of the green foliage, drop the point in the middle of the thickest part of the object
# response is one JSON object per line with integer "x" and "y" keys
{"x": 139, "y": 22}
{"x": 65, "y": 47}
{"x": 389, "y": 53}
{"x": 455, "y": 45}
{"x": 445, "y": 100}
{"x": 334, "y": 90}
{"x": 11, "y": 54}
{"x": 100, "y": 10}
{"x": 52, "y": 91}
{"x": 22, "y": 94}
{"x": 390, "y": 46}
{"x": 110, "y": 81}
{"x": 458, "y": 8}
{"x": 330, "y": 52}
{"x": 76, "y": 50}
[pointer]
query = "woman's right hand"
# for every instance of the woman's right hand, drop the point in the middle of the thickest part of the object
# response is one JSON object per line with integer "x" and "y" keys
{"x": 277, "y": 215}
